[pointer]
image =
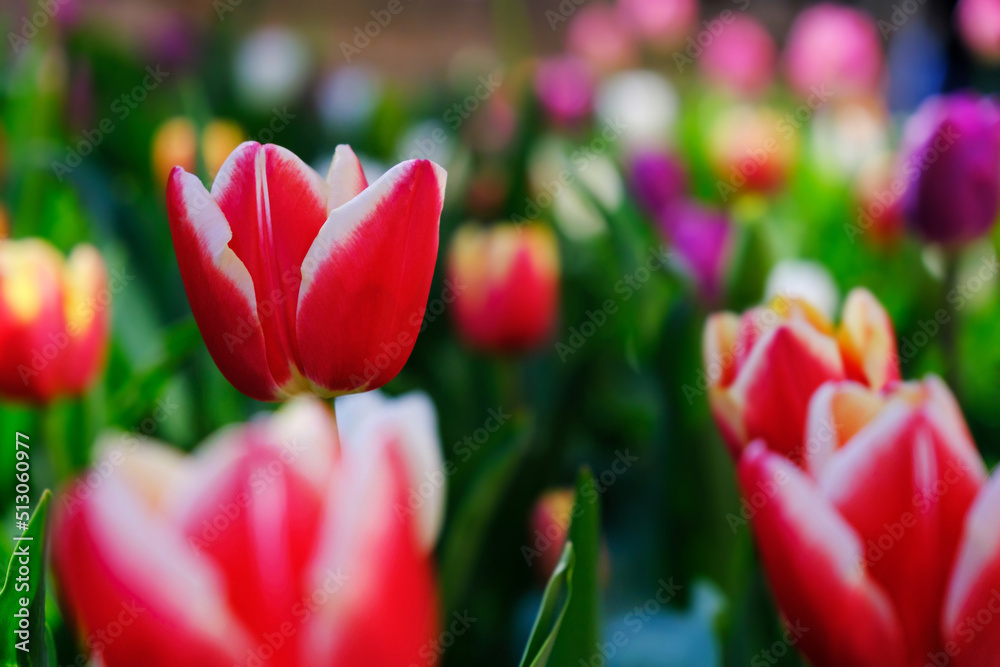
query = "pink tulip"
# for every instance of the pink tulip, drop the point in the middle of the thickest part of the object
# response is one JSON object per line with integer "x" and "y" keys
{"x": 742, "y": 58}
{"x": 664, "y": 23}
{"x": 888, "y": 548}
{"x": 54, "y": 320}
{"x": 565, "y": 88}
{"x": 301, "y": 284}
{"x": 979, "y": 25}
{"x": 834, "y": 51}
{"x": 763, "y": 367}
{"x": 274, "y": 544}
{"x": 598, "y": 34}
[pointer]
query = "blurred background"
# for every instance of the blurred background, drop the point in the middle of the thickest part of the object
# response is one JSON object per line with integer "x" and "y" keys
{"x": 586, "y": 118}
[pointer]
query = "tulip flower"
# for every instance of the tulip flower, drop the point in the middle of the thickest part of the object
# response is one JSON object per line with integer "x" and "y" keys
{"x": 951, "y": 149}
{"x": 806, "y": 280}
{"x": 702, "y": 239}
{"x": 565, "y": 88}
{"x": 742, "y": 57}
{"x": 750, "y": 148}
{"x": 301, "y": 284}
{"x": 879, "y": 194}
{"x": 887, "y": 548}
{"x": 508, "y": 286}
{"x": 550, "y": 522}
{"x": 657, "y": 180}
{"x": 175, "y": 143}
{"x": 276, "y": 543}
{"x": 664, "y": 23}
{"x": 763, "y": 367}
{"x": 979, "y": 25}
{"x": 598, "y": 34}
{"x": 834, "y": 50}
{"x": 54, "y": 320}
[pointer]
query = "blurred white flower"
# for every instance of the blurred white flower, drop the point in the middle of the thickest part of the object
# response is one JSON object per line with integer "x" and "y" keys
{"x": 643, "y": 102}
{"x": 804, "y": 279}
{"x": 347, "y": 96}
{"x": 271, "y": 67}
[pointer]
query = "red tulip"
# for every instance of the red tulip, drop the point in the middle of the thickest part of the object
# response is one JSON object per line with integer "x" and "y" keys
{"x": 301, "y": 284}
{"x": 888, "y": 548}
{"x": 508, "y": 286}
{"x": 54, "y": 319}
{"x": 550, "y": 522}
{"x": 763, "y": 367}
{"x": 272, "y": 545}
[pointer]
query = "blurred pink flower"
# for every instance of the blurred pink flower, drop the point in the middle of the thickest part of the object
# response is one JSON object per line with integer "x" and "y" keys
{"x": 565, "y": 88}
{"x": 701, "y": 238}
{"x": 836, "y": 49}
{"x": 662, "y": 22}
{"x": 979, "y": 25}
{"x": 598, "y": 34}
{"x": 742, "y": 58}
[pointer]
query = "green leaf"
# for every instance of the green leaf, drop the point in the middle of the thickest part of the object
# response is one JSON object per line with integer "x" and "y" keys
{"x": 468, "y": 528}
{"x": 581, "y": 633}
{"x": 555, "y": 601}
{"x": 31, "y": 588}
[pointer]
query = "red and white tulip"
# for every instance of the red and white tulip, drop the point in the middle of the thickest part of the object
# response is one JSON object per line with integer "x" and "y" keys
{"x": 276, "y": 543}
{"x": 305, "y": 284}
{"x": 763, "y": 366}
{"x": 887, "y": 546}
{"x": 54, "y": 319}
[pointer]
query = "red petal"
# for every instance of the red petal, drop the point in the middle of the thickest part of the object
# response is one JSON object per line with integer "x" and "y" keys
{"x": 366, "y": 278}
{"x": 346, "y": 178}
{"x": 815, "y": 564}
{"x": 905, "y": 482}
{"x": 971, "y": 618}
{"x": 219, "y": 287}
{"x": 88, "y": 317}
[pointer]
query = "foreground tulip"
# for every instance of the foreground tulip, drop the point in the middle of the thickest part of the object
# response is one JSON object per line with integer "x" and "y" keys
{"x": 834, "y": 50}
{"x": 175, "y": 143}
{"x": 54, "y": 320}
{"x": 742, "y": 58}
{"x": 302, "y": 284}
{"x": 951, "y": 149}
{"x": 888, "y": 548}
{"x": 508, "y": 286}
{"x": 979, "y": 25}
{"x": 274, "y": 544}
{"x": 762, "y": 368}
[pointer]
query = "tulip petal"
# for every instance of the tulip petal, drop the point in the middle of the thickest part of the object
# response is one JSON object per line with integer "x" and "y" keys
{"x": 787, "y": 364}
{"x": 346, "y": 177}
{"x": 815, "y": 565}
{"x": 105, "y": 548}
{"x": 219, "y": 286}
{"x": 837, "y": 411}
{"x": 905, "y": 482}
{"x": 366, "y": 278}
{"x": 275, "y": 205}
{"x": 972, "y": 605}
{"x": 867, "y": 340}
{"x": 88, "y": 317}
{"x": 412, "y": 420}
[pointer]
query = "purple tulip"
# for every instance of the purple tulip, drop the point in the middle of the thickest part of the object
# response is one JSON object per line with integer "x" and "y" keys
{"x": 952, "y": 163}
{"x": 657, "y": 180}
{"x": 701, "y": 238}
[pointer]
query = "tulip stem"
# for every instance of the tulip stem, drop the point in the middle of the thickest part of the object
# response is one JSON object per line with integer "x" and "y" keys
{"x": 949, "y": 327}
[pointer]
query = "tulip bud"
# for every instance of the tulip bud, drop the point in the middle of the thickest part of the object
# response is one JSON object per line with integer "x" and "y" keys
{"x": 742, "y": 57}
{"x": 507, "y": 278}
{"x": 952, "y": 154}
{"x": 979, "y": 25}
{"x": 565, "y": 88}
{"x": 54, "y": 320}
{"x": 879, "y": 194}
{"x": 753, "y": 392}
{"x": 883, "y": 548}
{"x": 598, "y": 34}
{"x": 833, "y": 50}
{"x": 702, "y": 239}
{"x": 175, "y": 143}
{"x": 657, "y": 180}
{"x": 664, "y": 23}
{"x": 301, "y": 284}
{"x": 748, "y": 149}
{"x": 550, "y": 522}
{"x": 276, "y": 543}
